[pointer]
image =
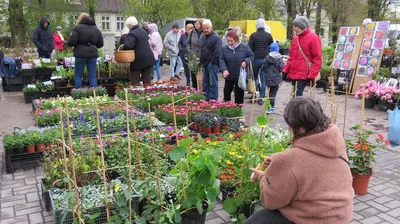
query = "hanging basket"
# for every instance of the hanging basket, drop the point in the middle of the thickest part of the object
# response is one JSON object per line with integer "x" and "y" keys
{"x": 126, "y": 56}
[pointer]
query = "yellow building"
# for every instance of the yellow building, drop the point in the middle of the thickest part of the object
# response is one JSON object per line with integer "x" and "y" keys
{"x": 277, "y": 30}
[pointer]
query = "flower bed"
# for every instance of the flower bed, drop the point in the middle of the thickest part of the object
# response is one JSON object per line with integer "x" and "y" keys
{"x": 88, "y": 92}
{"x": 373, "y": 91}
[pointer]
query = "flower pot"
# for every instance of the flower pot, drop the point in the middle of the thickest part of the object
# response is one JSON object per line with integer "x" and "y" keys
{"x": 193, "y": 217}
{"x": 19, "y": 150}
{"x": 49, "y": 146}
{"x": 196, "y": 126}
{"x": 192, "y": 126}
{"x": 370, "y": 103}
{"x": 40, "y": 147}
{"x": 246, "y": 209}
{"x": 225, "y": 127}
{"x": 200, "y": 127}
{"x": 384, "y": 106}
{"x": 207, "y": 130}
{"x": 30, "y": 148}
{"x": 216, "y": 129}
{"x": 360, "y": 183}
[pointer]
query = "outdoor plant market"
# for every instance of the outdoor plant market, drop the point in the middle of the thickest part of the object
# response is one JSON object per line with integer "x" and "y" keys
{"x": 121, "y": 114}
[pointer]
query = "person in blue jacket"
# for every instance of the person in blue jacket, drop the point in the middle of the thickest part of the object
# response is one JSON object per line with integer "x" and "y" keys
{"x": 234, "y": 56}
{"x": 43, "y": 38}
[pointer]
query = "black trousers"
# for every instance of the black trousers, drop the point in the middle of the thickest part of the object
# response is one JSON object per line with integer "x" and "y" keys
{"x": 194, "y": 80}
{"x": 186, "y": 69}
{"x": 273, "y": 90}
{"x": 301, "y": 85}
{"x": 239, "y": 93}
{"x": 266, "y": 216}
{"x": 144, "y": 74}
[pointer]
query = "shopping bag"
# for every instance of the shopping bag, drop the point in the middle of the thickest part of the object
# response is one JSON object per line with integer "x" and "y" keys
{"x": 251, "y": 84}
{"x": 199, "y": 77}
{"x": 394, "y": 126}
{"x": 242, "y": 79}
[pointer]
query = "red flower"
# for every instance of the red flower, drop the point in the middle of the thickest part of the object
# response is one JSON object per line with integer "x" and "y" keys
{"x": 381, "y": 136}
{"x": 365, "y": 147}
{"x": 387, "y": 142}
{"x": 220, "y": 139}
{"x": 238, "y": 135}
{"x": 357, "y": 146}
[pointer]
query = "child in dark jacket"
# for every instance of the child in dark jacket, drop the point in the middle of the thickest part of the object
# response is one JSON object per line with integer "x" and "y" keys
{"x": 272, "y": 68}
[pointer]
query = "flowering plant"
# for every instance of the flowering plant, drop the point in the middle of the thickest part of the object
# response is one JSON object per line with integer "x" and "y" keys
{"x": 88, "y": 92}
{"x": 369, "y": 89}
{"x": 361, "y": 153}
{"x": 388, "y": 94}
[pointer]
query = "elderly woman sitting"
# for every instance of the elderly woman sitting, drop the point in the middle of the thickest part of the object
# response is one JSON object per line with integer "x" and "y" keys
{"x": 311, "y": 182}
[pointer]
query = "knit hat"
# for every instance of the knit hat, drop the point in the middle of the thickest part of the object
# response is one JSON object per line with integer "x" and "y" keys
{"x": 302, "y": 22}
{"x": 260, "y": 23}
{"x": 58, "y": 28}
{"x": 274, "y": 47}
{"x": 175, "y": 26}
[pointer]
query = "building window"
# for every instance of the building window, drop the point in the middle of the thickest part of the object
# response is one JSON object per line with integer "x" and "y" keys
{"x": 105, "y": 22}
{"x": 120, "y": 23}
{"x": 74, "y": 1}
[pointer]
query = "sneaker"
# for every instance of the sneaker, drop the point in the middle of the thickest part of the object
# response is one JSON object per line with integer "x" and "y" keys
{"x": 260, "y": 102}
{"x": 271, "y": 111}
{"x": 177, "y": 76}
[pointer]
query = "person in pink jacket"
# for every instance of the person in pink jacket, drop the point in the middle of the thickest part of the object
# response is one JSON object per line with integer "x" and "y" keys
{"x": 59, "y": 40}
{"x": 311, "y": 183}
{"x": 305, "y": 60}
{"x": 156, "y": 45}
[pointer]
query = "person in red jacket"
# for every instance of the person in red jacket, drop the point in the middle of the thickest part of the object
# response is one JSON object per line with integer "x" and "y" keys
{"x": 59, "y": 40}
{"x": 305, "y": 60}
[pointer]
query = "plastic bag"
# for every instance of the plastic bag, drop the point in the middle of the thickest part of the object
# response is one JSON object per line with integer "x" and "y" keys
{"x": 394, "y": 126}
{"x": 242, "y": 79}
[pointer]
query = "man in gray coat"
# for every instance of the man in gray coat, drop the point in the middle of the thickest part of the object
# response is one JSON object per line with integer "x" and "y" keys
{"x": 171, "y": 42}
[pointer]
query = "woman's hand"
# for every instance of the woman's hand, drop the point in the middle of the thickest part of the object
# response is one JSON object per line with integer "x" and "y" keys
{"x": 266, "y": 162}
{"x": 244, "y": 64}
{"x": 255, "y": 177}
{"x": 225, "y": 73}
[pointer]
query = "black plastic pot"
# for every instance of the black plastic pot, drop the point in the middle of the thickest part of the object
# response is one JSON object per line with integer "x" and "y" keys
{"x": 370, "y": 103}
{"x": 10, "y": 152}
{"x": 246, "y": 209}
{"x": 384, "y": 106}
{"x": 19, "y": 150}
{"x": 194, "y": 218}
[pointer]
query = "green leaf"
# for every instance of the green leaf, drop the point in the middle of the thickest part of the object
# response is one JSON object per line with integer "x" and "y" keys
{"x": 262, "y": 121}
{"x": 230, "y": 205}
{"x": 174, "y": 172}
{"x": 95, "y": 215}
{"x": 199, "y": 207}
{"x": 177, "y": 153}
{"x": 65, "y": 180}
{"x": 200, "y": 140}
{"x": 212, "y": 194}
{"x": 203, "y": 177}
{"x": 178, "y": 217}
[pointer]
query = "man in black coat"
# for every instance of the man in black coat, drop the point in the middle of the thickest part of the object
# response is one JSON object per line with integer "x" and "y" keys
{"x": 86, "y": 38}
{"x": 43, "y": 38}
{"x": 138, "y": 40}
{"x": 259, "y": 43}
{"x": 210, "y": 51}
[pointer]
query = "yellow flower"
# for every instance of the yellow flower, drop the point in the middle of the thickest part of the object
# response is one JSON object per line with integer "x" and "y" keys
{"x": 230, "y": 136}
{"x": 229, "y": 162}
{"x": 195, "y": 151}
{"x": 239, "y": 156}
{"x": 116, "y": 187}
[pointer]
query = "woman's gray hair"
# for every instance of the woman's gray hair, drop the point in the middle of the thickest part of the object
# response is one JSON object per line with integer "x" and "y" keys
{"x": 305, "y": 117}
{"x": 131, "y": 21}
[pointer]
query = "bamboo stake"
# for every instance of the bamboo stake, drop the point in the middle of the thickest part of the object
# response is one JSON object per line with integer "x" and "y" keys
{"x": 72, "y": 158}
{"x": 251, "y": 119}
{"x": 345, "y": 108}
{"x": 109, "y": 72}
{"x": 103, "y": 166}
{"x": 155, "y": 157}
{"x": 63, "y": 147}
{"x": 136, "y": 142}
{"x": 326, "y": 99}
{"x": 128, "y": 130}
{"x": 363, "y": 106}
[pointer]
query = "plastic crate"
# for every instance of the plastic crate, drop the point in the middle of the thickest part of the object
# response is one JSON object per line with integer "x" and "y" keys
{"x": 45, "y": 195}
{"x": 13, "y": 81}
{"x": 59, "y": 214}
{"x": 13, "y": 88}
{"x": 33, "y": 96}
{"x": 28, "y": 72}
{"x": 23, "y": 161}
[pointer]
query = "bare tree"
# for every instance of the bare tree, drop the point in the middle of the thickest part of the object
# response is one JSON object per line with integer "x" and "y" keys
{"x": 335, "y": 9}
{"x": 291, "y": 14}
{"x": 377, "y": 9}
{"x": 318, "y": 29}
{"x": 16, "y": 21}
{"x": 306, "y": 7}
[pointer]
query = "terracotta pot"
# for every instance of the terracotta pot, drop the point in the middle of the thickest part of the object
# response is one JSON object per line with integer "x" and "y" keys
{"x": 360, "y": 183}
{"x": 207, "y": 130}
{"x": 224, "y": 127}
{"x": 196, "y": 126}
{"x": 40, "y": 147}
{"x": 216, "y": 129}
{"x": 30, "y": 148}
{"x": 192, "y": 126}
{"x": 49, "y": 146}
{"x": 200, "y": 127}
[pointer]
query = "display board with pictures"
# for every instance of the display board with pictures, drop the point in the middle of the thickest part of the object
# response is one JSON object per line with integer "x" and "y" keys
{"x": 345, "y": 48}
{"x": 372, "y": 46}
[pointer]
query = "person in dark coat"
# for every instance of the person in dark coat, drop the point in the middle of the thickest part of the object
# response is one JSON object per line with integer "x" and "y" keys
{"x": 259, "y": 43}
{"x": 234, "y": 56}
{"x": 138, "y": 40}
{"x": 210, "y": 51}
{"x": 86, "y": 38}
{"x": 43, "y": 38}
{"x": 272, "y": 68}
{"x": 183, "y": 52}
{"x": 193, "y": 45}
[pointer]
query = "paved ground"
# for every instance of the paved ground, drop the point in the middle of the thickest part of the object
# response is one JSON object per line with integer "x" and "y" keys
{"x": 20, "y": 197}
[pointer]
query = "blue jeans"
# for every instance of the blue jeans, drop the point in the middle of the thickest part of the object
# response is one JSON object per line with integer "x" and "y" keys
{"x": 80, "y": 67}
{"x": 172, "y": 61}
{"x": 210, "y": 81}
{"x": 157, "y": 68}
{"x": 301, "y": 85}
{"x": 257, "y": 64}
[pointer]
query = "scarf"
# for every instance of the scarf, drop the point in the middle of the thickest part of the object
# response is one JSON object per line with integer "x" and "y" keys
{"x": 59, "y": 32}
{"x": 234, "y": 47}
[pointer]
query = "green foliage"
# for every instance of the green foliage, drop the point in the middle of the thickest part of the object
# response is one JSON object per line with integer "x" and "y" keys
{"x": 285, "y": 44}
{"x": 13, "y": 141}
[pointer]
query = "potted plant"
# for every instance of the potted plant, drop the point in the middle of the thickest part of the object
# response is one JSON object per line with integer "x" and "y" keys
{"x": 216, "y": 120}
{"x": 387, "y": 98}
{"x": 29, "y": 141}
{"x": 224, "y": 124}
{"x": 206, "y": 122}
{"x": 369, "y": 89}
{"x": 362, "y": 157}
{"x": 39, "y": 141}
{"x": 13, "y": 144}
{"x": 284, "y": 47}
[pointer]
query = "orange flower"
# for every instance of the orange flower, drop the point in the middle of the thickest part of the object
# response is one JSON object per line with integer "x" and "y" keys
{"x": 365, "y": 147}
{"x": 381, "y": 136}
{"x": 357, "y": 146}
{"x": 387, "y": 142}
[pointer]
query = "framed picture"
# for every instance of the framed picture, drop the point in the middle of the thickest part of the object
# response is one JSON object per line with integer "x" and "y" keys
{"x": 391, "y": 83}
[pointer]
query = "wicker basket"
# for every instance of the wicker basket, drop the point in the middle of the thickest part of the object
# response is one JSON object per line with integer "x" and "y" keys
{"x": 126, "y": 56}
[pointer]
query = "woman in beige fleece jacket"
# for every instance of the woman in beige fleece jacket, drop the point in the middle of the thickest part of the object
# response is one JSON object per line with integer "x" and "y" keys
{"x": 310, "y": 183}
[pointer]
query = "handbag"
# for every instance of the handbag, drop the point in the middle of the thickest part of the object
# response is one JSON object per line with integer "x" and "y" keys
{"x": 318, "y": 77}
{"x": 394, "y": 125}
{"x": 251, "y": 84}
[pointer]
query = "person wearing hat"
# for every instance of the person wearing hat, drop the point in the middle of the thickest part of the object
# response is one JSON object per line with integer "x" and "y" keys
{"x": 272, "y": 67}
{"x": 43, "y": 38}
{"x": 305, "y": 56}
{"x": 59, "y": 39}
{"x": 171, "y": 42}
{"x": 146, "y": 27}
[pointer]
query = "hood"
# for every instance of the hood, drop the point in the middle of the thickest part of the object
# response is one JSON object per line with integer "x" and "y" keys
{"x": 273, "y": 57}
{"x": 87, "y": 20}
{"x": 260, "y": 24}
{"x": 153, "y": 27}
{"x": 42, "y": 21}
{"x": 329, "y": 143}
